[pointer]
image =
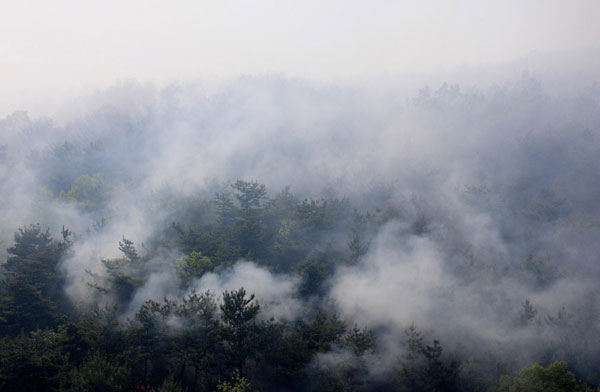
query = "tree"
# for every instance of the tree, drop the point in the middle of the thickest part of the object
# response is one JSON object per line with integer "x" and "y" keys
{"x": 101, "y": 330}
{"x": 297, "y": 348}
{"x": 197, "y": 341}
{"x": 422, "y": 367}
{"x": 89, "y": 192}
{"x": 145, "y": 335}
{"x": 536, "y": 378}
{"x": 125, "y": 274}
{"x": 241, "y": 333}
{"x": 250, "y": 229}
{"x": 345, "y": 370}
{"x": 359, "y": 341}
{"x": 192, "y": 266}
{"x": 316, "y": 270}
{"x": 236, "y": 384}
{"x": 32, "y": 362}
{"x": 249, "y": 194}
{"x": 126, "y": 246}
{"x": 98, "y": 374}
{"x": 527, "y": 313}
{"x": 226, "y": 210}
{"x": 32, "y": 287}
{"x": 170, "y": 385}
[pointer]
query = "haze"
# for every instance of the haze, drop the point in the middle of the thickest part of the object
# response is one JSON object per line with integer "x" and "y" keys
{"x": 53, "y": 49}
{"x": 375, "y": 196}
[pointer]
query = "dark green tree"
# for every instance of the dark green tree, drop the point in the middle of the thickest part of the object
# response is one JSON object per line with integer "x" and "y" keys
{"x": 145, "y": 336}
{"x": 250, "y": 230}
{"x": 125, "y": 274}
{"x": 359, "y": 341}
{"x": 344, "y": 368}
{"x": 98, "y": 374}
{"x": 226, "y": 211}
{"x": 32, "y": 362}
{"x": 197, "y": 340}
{"x": 422, "y": 367}
{"x": 32, "y": 285}
{"x": 316, "y": 270}
{"x": 554, "y": 378}
{"x": 527, "y": 313}
{"x": 170, "y": 385}
{"x": 297, "y": 348}
{"x": 249, "y": 194}
{"x": 89, "y": 192}
{"x": 99, "y": 328}
{"x": 240, "y": 329}
{"x": 236, "y": 384}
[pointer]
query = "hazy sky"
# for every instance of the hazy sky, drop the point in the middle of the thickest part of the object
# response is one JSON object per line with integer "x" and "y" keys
{"x": 50, "y": 47}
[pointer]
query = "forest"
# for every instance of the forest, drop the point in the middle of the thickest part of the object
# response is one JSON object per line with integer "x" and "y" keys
{"x": 278, "y": 235}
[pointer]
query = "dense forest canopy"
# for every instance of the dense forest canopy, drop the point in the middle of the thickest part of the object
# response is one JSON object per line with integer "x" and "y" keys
{"x": 288, "y": 236}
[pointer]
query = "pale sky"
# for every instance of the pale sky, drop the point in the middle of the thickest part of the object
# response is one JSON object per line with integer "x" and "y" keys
{"x": 49, "y": 47}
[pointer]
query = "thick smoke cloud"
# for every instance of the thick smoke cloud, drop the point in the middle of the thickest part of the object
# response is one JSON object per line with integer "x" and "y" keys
{"x": 396, "y": 282}
{"x": 277, "y": 294}
{"x": 493, "y": 192}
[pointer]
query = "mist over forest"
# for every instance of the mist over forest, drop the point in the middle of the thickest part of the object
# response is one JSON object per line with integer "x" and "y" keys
{"x": 281, "y": 234}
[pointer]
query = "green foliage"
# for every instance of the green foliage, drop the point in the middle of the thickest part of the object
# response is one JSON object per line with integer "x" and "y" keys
{"x": 316, "y": 269}
{"x": 422, "y": 367}
{"x": 279, "y": 233}
{"x": 345, "y": 370}
{"x": 144, "y": 335}
{"x": 325, "y": 330}
{"x": 300, "y": 346}
{"x": 194, "y": 343}
{"x": 249, "y": 194}
{"x": 170, "y": 385}
{"x": 197, "y": 342}
{"x": 100, "y": 328}
{"x": 125, "y": 274}
{"x": 236, "y": 384}
{"x": 32, "y": 362}
{"x": 319, "y": 215}
{"x": 25, "y": 307}
{"x": 32, "y": 283}
{"x": 225, "y": 209}
{"x": 358, "y": 245}
{"x": 126, "y": 246}
{"x": 98, "y": 374}
{"x": 359, "y": 340}
{"x": 193, "y": 265}
{"x": 90, "y": 192}
{"x": 241, "y": 333}
{"x": 527, "y": 313}
{"x": 553, "y": 378}
{"x": 29, "y": 241}
{"x": 283, "y": 205}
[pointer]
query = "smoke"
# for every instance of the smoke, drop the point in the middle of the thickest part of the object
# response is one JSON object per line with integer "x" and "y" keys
{"x": 491, "y": 193}
{"x": 276, "y": 294}
{"x": 394, "y": 284}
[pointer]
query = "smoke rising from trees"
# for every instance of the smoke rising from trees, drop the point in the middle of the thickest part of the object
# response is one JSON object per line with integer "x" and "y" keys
{"x": 469, "y": 213}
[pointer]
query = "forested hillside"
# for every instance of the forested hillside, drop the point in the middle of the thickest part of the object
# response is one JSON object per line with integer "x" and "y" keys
{"x": 279, "y": 235}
